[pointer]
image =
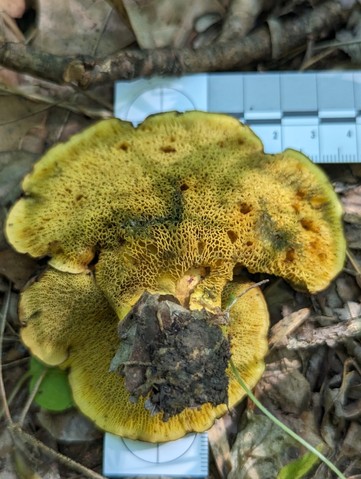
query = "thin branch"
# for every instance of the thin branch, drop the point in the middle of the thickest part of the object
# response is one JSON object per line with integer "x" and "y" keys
{"x": 31, "y": 397}
{"x": 336, "y": 44}
{"x": 255, "y": 285}
{"x": 16, "y": 362}
{"x": 18, "y": 433}
{"x": 260, "y": 45}
{"x": 90, "y": 112}
{"x": 3, "y": 318}
{"x": 14, "y": 393}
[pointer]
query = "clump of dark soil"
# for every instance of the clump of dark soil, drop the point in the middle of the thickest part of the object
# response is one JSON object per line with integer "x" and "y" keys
{"x": 175, "y": 357}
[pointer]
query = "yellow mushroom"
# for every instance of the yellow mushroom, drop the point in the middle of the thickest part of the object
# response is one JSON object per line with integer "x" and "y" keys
{"x": 147, "y": 204}
{"x": 171, "y": 207}
{"x": 68, "y": 322}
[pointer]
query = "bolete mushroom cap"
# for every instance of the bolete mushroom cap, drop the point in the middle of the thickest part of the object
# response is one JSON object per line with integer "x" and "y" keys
{"x": 145, "y": 205}
{"x": 171, "y": 207}
{"x": 68, "y": 322}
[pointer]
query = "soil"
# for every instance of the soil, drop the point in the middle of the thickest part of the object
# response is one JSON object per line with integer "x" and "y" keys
{"x": 175, "y": 355}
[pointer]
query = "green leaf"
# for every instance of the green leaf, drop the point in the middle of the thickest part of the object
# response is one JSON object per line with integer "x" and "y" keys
{"x": 298, "y": 468}
{"x": 54, "y": 392}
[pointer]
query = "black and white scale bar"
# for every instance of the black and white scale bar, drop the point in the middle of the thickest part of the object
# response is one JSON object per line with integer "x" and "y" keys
{"x": 318, "y": 113}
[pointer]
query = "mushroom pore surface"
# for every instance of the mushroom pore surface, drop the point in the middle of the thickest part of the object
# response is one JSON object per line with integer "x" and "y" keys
{"x": 68, "y": 322}
{"x": 172, "y": 208}
{"x": 144, "y": 205}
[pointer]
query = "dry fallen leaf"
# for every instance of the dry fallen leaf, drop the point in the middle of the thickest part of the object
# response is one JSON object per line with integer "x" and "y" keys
{"x": 68, "y": 426}
{"x": 6, "y": 447}
{"x": 14, "y": 8}
{"x": 241, "y": 18}
{"x": 260, "y": 450}
{"x": 285, "y": 386}
{"x": 349, "y": 38}
{"x": 351, "y": 201}
{"x": 16, "y": 267}
{"x": 17, "y": 117}
{"x": 352, "y": 444}
{"x": 309, "y": 336}
{"x": 13, "y": 167}
{"x": 87, "y": 27}
{"x": 160, "y": 23}
{"x": 218, "y": 441}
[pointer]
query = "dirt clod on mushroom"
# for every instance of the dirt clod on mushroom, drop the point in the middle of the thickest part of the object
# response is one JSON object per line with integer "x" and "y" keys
{"x": 175, "y": 357}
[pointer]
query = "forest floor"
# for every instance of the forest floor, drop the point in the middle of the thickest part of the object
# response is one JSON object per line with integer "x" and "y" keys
{"x": 312, "y": 381}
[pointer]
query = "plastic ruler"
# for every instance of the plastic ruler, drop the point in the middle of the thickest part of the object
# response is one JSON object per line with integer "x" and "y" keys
{"x": 185, "y": 457}
{"x": 318, "y": 113}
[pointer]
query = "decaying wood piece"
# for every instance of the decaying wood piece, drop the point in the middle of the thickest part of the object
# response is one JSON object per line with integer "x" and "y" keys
{"x": 176, "y": 357}
{"x": 131, "y": 63}
{"x": 309, "y": 336}
{"x": 285, "y": 327}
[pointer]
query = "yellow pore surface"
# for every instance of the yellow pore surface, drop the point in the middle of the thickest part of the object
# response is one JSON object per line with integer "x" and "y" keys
{"x": 178, "y": 192}
{"x": 68, "y": 322}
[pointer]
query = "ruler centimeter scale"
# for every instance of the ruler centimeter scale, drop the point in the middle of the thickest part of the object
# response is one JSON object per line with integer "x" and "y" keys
{"x": 185, "y": 457}
{"x": 318, "y": 113}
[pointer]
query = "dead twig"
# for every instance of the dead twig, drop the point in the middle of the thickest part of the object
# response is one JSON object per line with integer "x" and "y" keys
{"x": 355, "y": 264}
{"x": 330, "y": 335}
{"x": 19, "y": 434}
{"x": 3, "y": 317}
{"x": 75, "y": 108}
{"x": 255, "y": 285}
{"x": 263, "y": 44}
{"x": 31, "y": 398}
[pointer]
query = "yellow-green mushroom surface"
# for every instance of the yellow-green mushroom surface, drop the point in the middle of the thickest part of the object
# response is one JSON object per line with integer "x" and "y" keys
{"x": 171, "y": 207}
{"x": 69, "y": 323}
